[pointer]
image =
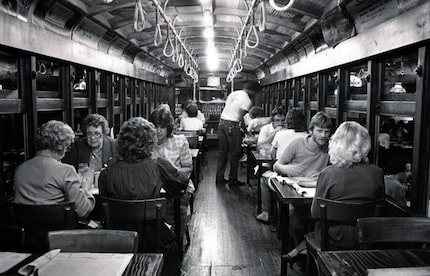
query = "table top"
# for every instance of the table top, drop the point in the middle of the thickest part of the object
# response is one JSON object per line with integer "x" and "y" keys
{"x": 287, "y": 194}
{"x": 140, "y": 264}
{"x": 357, "y": 262}
{"x": 260, "y": 158}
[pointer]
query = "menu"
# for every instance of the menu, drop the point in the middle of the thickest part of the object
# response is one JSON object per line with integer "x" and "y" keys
{"x": 10, "y": 259}
{"x": 69, "y": 264}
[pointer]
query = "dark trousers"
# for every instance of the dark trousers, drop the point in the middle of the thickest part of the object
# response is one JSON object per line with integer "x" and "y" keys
{"x": 229, "y": 143}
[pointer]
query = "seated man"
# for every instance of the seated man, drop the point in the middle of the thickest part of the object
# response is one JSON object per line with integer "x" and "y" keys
{"x": 295, "y": 129}
{"x": 191, "y": 123}
{"x": 185, "y": 114}
{"x": 394, "y": 176}
{"x": 268, "y": 131}
{"x": 305, "y": 157}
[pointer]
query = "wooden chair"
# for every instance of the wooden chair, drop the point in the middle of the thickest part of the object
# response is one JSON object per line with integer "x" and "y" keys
{"x": 12, "y": 238}
{"x": 393, "y": 232}
{"x": 393, "y": 208}
{"x": 334, "y": 212}
{"x": 37, "y": 220}
{"x": 136, "y": 215}
{"x": 94, "y": 241}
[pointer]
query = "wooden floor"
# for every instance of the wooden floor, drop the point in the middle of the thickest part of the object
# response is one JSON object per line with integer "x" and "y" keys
{"x": 225, "y": 237}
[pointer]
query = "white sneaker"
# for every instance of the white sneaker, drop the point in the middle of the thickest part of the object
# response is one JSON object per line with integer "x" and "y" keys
{"x": 264, "y": 217}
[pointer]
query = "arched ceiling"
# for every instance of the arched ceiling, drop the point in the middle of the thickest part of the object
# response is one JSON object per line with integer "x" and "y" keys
{"x": 281, "y": 28}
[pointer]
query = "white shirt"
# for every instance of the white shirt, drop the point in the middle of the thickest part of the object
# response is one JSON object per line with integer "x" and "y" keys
{"x": 236, "y": 101}
{"x": 191, "y": 124}
{"x": 200, "y": 116}
{"x": 284, "y": 137}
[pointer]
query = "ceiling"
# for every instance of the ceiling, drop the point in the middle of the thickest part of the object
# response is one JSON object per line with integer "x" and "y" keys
{"x": 229, "y": 16}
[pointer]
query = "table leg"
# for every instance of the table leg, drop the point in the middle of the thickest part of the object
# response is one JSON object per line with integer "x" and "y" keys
{"x": 285, "y": 222}
{"x": 248, "y": 166}
{"x": 260, "y": 168}
{"x": 177, "y": 221}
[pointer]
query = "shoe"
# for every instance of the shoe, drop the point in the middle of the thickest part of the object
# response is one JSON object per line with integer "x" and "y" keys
{"x": 263, "y": 217}
{"x": 243, "y": 159}
{"x": 299, "y": 260}
{"x": 236, "y": 183}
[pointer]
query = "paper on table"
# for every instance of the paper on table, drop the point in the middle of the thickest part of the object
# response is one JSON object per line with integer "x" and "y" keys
{"x": 10, "y": 259}
{"x": 39, "y": 263}
{"x": 400, "y": 271}
{"x": 306, "y": 192}
{"x": 91, "y": 264}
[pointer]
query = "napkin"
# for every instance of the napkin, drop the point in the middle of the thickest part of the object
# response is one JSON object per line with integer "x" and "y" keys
{"x": 32, "y": 268}
{"x": 306, "y": 192}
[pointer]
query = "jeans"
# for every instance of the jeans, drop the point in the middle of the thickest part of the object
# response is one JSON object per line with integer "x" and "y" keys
{"x": 230, "y": 146}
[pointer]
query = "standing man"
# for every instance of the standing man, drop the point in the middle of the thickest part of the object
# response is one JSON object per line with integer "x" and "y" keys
{"x": 229, "y": 134}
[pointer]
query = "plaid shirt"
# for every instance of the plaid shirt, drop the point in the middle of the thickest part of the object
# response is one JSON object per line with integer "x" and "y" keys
{"x": 177, "y": 151}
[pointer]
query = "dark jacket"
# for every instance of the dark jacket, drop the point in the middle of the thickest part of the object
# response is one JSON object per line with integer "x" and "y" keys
{"x": 81, "y": 152}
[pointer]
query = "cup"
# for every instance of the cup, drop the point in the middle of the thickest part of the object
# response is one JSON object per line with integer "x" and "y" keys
{"x": 96, "y": 179}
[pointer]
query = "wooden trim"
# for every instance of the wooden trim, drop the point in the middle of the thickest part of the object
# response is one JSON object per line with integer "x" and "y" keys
{"x": 374, "y": 88}
{"x": 11, "y": 106}
{"x": 29, "y": 37}
{"x": 399, "y": 108}
{"x": 45, "y": 104}
{"x": 412, "y": 26}
{"x": 420, "y": 164}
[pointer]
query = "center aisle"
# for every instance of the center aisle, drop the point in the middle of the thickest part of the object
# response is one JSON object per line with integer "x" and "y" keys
{"x": 225, "y": 237}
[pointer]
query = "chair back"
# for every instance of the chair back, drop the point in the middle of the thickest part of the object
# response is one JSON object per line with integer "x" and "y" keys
{"x": 37, "y": 220}
{"x": 11, "y": 238}
{"x": 94, "y": 241}
{"x": 136, "y": 215}
{"x": 193, "y": 141}
{"x": 393, "y": 232}
{"x": 344, "y": 213}
{"x": 393, "y": 208}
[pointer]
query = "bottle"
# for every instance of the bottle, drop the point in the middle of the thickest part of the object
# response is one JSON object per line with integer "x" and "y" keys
{"x": 87, "y": 176}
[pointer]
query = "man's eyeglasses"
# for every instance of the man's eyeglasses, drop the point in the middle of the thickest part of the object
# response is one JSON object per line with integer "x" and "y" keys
{"x": 94, "y": 134}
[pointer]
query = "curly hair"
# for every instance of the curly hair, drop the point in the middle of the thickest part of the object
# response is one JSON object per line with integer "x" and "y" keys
{"x": 349, "y": 145}
{"x": 296, "y": 120}
{"x": 161, "y": 117}
{"x": 54, "y": 135}
{"x": 136, "y": 140}
{"x": 96, "y": 120}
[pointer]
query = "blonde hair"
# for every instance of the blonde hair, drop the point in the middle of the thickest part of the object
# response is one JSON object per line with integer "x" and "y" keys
{"x": 349, "y": 145}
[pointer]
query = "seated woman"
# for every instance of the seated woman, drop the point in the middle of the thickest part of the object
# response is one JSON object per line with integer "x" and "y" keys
{"x": 44, "y": 179}
{"x": 350, "y": 178}
{"x": 97, "y": 149}
{"x": 176, "y": 150}
{"x": 137, "y": 175}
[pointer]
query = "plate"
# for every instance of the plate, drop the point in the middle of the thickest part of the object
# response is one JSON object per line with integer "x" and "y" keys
{"x": 307, "y": 183}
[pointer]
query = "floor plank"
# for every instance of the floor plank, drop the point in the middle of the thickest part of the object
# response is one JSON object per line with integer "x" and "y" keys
{"x": 225, "y": 237}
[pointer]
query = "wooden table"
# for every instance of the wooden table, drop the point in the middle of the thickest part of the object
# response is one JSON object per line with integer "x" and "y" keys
{"x": 357, "y": 262}
{"x": 286, "y": 195}
{"x": 196, "y": 161}
{"x": 259, "y": 159}
{"x": 140, "y": 264}
{"x": 249, "y": 164}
